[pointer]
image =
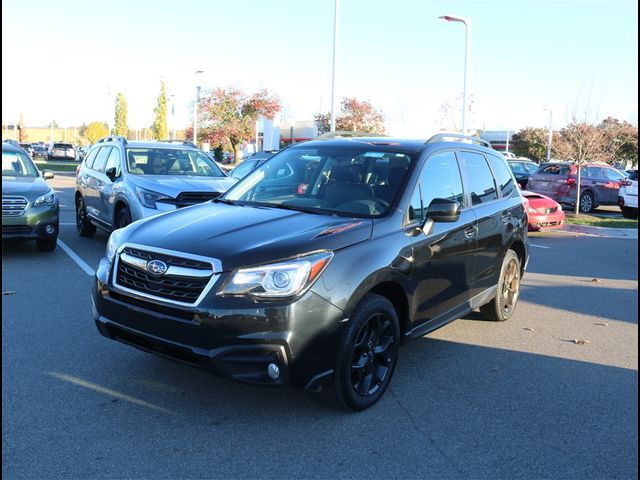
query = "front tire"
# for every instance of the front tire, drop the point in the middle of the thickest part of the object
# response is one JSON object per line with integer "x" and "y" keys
{"x": 503, "y": 305}
{"x": 123, "y": 218}
{"x": 628, "y": 212}
{"x": 367, "y": 355}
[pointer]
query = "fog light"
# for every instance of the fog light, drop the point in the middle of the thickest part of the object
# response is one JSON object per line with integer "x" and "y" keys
{"x": 273, "y": 371}
{"x": 50, "y": 229}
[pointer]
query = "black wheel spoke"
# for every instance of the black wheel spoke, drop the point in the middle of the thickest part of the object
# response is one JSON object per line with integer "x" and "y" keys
{"x": 366, "y": 383}
{"x": 384, "y": 347}
{"x": 360, "y": 363}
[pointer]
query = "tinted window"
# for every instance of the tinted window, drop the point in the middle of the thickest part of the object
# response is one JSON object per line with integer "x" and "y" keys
{"x": 101, "y": 159}
{"x": 479, "y": 178}
{"x": 530, "y": 167}
{"x": 633, "y": 176}
{"x": 554, "y": 169}
{"x": 171, "y": 161}
{"x": 113, "y": 161}
{"x": 242, "y": 169}
{"x": 440, "y": 178}
{"x": 613, "y": 174}
{"x": 503, "y": 175}
{"x": 517, "y": 167}
{"x": 91, "y": 157}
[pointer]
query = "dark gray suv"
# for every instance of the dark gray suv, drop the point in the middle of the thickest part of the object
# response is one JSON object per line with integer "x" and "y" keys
{"x": 120, "y": 182}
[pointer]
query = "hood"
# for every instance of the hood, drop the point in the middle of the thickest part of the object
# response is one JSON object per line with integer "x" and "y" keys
{"x": 245, "y": 235}
{"x": 28, "y": 187}
{"x": 173, "y": 186}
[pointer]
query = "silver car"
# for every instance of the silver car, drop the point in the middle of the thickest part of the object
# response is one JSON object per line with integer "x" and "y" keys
{"x": 120, "y": 182}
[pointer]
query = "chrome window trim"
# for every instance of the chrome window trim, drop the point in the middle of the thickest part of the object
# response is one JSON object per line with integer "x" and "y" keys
{"x": 216, "y": 266}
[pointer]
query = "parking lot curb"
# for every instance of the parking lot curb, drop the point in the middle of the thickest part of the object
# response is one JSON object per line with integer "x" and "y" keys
{"x": 605, "y": 232}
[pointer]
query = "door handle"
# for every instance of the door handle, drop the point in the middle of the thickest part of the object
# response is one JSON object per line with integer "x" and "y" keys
{"x": 470, "y": 232}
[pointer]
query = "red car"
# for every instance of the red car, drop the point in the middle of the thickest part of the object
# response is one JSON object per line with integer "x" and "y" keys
{"x": 544, "y": 212}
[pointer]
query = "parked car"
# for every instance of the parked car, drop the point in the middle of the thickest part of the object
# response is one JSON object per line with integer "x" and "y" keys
{"x": 544, "y": 212}
{"x": 82, "y": 152}
{"x": 245, "y": 168}
{"x": 628, "y": 195}
{"x": 62, "y": 151}
{"x": 11, "y": 141}
{"x": 28, "y": 148}
{"x": 599, "y": 184}
{"x": 30, "y": 208}
{"x": 522, "y": 169}
{"x": 39, "y": 151}
{"x": 316, "y": 266}
{"x": 227, "y": 158}
{"x": 120, "y": 182}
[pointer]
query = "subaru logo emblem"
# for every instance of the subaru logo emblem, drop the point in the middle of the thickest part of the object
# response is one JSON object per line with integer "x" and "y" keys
{"x": 156, "y": 267}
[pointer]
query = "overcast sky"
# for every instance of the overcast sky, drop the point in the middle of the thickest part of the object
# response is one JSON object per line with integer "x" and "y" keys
{"x": 66, "y": 59}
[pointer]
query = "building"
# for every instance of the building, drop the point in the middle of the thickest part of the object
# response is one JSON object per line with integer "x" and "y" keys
{"x": 498, "y": 139}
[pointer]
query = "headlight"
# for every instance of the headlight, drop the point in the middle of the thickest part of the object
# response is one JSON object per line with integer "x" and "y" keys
{"x": 114, "y": 243}
{"x": 48, "y": 198}
{"x": 148, "y": 198}
{"x": 278, "y": 280}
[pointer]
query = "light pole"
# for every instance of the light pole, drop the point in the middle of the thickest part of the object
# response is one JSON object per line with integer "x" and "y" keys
{"x": 550, "y": 135}
{"x": 332, "y": 127}
{"x": 467, "y": 58}
{"x": 195, "y": 108}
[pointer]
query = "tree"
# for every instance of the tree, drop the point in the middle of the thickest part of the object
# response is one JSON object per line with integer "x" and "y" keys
{"x": 121, "y": 116}
{"x": 621, "y": 141}
{"x": 95, "y": 131}
{"x": 354, "y": 116}
{"x": 159, "y": 127}
{"x": 230, "y": 115}
{"x": 532, "y": 143}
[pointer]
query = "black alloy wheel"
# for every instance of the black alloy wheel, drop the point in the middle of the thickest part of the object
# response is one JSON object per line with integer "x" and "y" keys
{"x": 501, "y": 308}
{"x": 367, "y": 355}
{"x": 123, "y": 218}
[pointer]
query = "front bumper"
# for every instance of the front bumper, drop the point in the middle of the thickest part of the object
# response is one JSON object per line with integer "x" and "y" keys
{"x": 231, "y": 337}
{"x": 546, "y": 222}
{"x": 32, "y": 223}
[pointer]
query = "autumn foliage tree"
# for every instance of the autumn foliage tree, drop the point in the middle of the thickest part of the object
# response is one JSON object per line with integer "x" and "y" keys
{"x": 159, "y": 127}
{"x": 532, "y": 143}
{"x": 95, "y": 131}
{"x": 120, "y": 123}
{"x": 354, "y": 115}
{"x": 230, "y": 115}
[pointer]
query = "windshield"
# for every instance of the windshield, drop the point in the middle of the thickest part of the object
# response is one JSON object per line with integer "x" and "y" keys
{"x": 17, "y": 164}
{"x": 350, "y": 182}
{"x": 171, "y": 161}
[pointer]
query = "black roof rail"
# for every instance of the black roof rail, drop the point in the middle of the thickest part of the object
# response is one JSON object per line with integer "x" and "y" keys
{"x": 443, "y": 137}
{"x": 347, "y": 134}
{"x": 182, "y": 142}
{"x": 114, "y": 138}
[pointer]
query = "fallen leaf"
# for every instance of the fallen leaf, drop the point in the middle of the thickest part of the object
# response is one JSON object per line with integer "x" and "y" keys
{"x": 604, "y": 324}
{"x": 595, "y": 280}
{"x": 527, "y": 328}
{"x": 8, "y": 292}
{"x": 495, "y": 369}
{"x": 580, "y": 341}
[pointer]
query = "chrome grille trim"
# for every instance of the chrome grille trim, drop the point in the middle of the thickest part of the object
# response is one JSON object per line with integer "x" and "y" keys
{"x": 13, "y": 205}
{"x": 216, "y": 268}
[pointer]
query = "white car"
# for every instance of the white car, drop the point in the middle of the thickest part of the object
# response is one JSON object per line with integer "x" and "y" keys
{"x": 628, "y": 196}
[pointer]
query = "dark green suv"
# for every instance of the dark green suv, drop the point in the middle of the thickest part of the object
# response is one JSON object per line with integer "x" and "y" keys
{"x": 30, "y": 208}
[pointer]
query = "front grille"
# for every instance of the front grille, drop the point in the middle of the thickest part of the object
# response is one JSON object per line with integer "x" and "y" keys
{"x": 176, "y": 287}
{"x": 546, "y": 211}
{"x": 191, "y": 198}
{"x": 13, "y": 206}
{"x": 16, "y": 229}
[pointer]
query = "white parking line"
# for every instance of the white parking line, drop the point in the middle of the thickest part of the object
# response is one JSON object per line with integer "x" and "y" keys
{"x": 67, "y": 223}
{"x": 538, "y": 246}
{"x": 81, "y": 263}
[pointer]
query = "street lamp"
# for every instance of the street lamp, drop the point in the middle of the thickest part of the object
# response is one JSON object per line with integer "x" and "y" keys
{"x": 467, "y": 58}
{"x": 332, "y": 127}
{"x": 550, "y": 135}
{"x": 173, "y": 116}
{"x": 195, "y": 108}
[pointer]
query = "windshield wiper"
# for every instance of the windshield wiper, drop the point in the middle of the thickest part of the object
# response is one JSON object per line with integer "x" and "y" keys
{"x": 224, "y": 200}
{"x": 296, "y": 208}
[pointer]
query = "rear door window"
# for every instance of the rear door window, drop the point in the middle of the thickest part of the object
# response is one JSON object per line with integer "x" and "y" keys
{"x": 478, "y": 177}
{"x": 503, "y": 175}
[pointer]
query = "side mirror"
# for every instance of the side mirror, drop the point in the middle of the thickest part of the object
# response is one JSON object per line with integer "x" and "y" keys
{"x": 47, "y": 175}
{"x": 444, "y": 210}
{"x": 111, "y": 173}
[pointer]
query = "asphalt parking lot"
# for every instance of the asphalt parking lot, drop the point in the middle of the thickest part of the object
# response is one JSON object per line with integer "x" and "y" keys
{"x": 552, "y": 393}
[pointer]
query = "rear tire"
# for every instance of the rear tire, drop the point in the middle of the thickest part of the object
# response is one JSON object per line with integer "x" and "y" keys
{"x": 367, "y": 355}
{"x": 503, "y": 305}
{"x": 46, "y": 244}
{"x": 83, "y": 225}
{"x": 587, "y": 203}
